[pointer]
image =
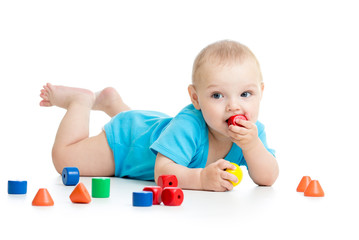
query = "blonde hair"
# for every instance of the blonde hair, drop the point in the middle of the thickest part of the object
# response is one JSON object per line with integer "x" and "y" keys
{"x": 222, "y": 53}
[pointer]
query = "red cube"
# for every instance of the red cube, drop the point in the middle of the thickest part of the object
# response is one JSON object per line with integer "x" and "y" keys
{"x": 172, "y": 196}
{"x": 157, "y": 191}
{"x": 167, "y": 181}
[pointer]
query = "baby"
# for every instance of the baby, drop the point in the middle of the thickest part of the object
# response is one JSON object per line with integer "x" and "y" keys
{"x": 197, "y": 145}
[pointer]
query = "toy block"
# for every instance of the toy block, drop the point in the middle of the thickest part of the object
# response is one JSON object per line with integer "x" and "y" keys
{"x": 237, "y": 172}
{"x": 303, "y": 184}
{"x": 167, "y": 181}
{"x": 80, "y": 194}
{"x": 70, "y": 176}
{"x": 16, "y": 187}
{"x": 42, "y": 198}
{"x": 142, "y": 199}
{"x": 172, "y": 196}
{"x": 233, "y": 120}
{"x": 156, "y": 191}
{"x": 314, "y": 189}
{"x": 100, "y": 187}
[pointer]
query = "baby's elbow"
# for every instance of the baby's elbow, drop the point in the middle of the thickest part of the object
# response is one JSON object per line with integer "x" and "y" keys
{"x": 265, "y": 183}
{"x": 157, "y": 173}
{"x": 161, "y": 166}
{"x": 156, "y": 178}
{"x": 268, "y": 180}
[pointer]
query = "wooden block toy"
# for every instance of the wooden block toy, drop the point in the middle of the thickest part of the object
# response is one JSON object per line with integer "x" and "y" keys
{"x": 156, "y": 191}
{"x": 80, "y": 194}
{"x": 237, "y": 172}
{"x": 142, "y": 199}
{"x": 70, "y": 176}
{"x": 167, "y": 181}
{"x": 303, "y": 183}
{"x": 16, "y": 187}
{"x": 42, "y": 198}
{"x": 172, "y": 196}
{"x": 100, "y": 187}
{"x": 314, "y": 189}
{"x": 233, "y": 120}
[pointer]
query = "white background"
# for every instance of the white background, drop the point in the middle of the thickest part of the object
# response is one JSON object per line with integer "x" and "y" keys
{"x": 308, "y": 51}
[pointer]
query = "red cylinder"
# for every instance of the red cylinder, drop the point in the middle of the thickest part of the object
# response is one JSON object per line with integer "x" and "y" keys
{"x": 167, "y": 181}
{"x": 157, "y": 191}
{"x": 172, "y": 196}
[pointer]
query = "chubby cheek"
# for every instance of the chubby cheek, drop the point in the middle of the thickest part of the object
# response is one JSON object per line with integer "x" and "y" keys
{"x": 252, "y": 112}
{"x": 209, "y": 118}
{"x": 251, "y": 116}
{"x": 212, "y": 118}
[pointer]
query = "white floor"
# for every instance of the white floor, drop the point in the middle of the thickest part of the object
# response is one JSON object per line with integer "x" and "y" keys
{"x": 248, "y": 212}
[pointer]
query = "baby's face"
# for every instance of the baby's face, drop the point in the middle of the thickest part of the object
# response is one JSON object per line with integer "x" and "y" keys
{"x": 224, "y": 91}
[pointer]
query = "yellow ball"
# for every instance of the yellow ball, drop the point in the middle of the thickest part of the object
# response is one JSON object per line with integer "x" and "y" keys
{"x": 237, "y": 172}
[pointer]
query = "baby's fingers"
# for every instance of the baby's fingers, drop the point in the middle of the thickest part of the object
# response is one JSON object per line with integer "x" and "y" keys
{"x": 229, "y": 176}
{"x": 224, "y": 164}
{"x": 244, "y": 123}
{"x": 235, "y": 130}
{"x": 226, "y": 185}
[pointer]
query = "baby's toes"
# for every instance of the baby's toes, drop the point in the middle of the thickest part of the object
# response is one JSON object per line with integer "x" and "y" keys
{"x": 43, "y": 91}
{"x": 44, "y": 96}
{"x": 45, "y": 103}
{"x": 46, "y": 88}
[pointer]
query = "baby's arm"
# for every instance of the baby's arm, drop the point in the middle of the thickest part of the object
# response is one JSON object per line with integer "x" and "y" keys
{"x": 213, "y": 177}
{"x": 262, "y": 165}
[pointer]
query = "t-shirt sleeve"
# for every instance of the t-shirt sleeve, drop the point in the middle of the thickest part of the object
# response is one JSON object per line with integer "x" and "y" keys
{"x": 180, "y": 140}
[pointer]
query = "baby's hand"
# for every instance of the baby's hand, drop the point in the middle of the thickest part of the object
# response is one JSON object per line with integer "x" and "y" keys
{"x": 245, "y": 136}
{"x": 215, "y": 178}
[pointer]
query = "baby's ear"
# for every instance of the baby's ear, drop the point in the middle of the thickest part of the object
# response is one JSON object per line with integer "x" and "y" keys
{"x": 193, "y": 95}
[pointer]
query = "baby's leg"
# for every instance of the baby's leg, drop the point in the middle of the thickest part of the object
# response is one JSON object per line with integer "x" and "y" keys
{"x": 108, "y": 100}
{"x": 72, "y": 146}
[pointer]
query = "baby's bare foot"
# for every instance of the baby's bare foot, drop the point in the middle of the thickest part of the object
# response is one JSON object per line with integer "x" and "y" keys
{"x": 63, "y": 97}
{"x": 109, "y": 101}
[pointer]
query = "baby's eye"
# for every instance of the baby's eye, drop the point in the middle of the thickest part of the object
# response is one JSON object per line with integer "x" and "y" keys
{"x": 217, "y": 95}
{"x": 246, "y": 94}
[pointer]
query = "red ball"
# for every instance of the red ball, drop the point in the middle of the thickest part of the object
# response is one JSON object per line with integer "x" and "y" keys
{"x": 172, "y": 196}
{"x": 233, "y": 120}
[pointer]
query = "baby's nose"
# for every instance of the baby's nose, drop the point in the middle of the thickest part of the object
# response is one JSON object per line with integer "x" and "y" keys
{"x": 233, "y": 106}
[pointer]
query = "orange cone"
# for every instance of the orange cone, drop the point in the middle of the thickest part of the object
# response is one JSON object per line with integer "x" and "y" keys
{"x": 314, "y": 189}
{"x": 42, "y": 198}
{"x": 303, "y": 184}
{"x": 80, "y": 194}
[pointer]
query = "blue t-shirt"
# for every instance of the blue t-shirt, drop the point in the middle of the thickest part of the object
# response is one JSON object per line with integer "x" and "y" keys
{"x": 136, "y": 137}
